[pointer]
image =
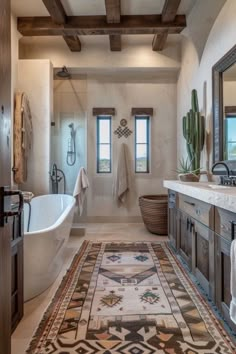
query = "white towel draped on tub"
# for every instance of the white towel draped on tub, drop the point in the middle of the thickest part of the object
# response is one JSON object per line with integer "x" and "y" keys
{"x": 122, "y": 182}
{"x": 233, "y": 281}
{"x": 81, "y": 185}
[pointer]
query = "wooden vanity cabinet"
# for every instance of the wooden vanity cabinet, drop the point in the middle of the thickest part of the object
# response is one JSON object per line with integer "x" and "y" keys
{"x": 186, "y": 230}
{"x": 173, "y": 220}
{"x": 201, "y": 234}
{"x": 222, "y": 278}
{"x": 203, "y": 261}
{"x": 192, "y": 236}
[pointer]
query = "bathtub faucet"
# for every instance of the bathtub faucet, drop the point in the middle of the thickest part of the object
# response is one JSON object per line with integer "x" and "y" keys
{"x": 56, "y": 176}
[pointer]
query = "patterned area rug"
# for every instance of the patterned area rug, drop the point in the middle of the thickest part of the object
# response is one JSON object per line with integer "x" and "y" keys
{"x": 128, "y": 298}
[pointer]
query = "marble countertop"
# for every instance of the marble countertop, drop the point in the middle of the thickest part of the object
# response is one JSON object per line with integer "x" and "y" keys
{"x": 209, "y": 192}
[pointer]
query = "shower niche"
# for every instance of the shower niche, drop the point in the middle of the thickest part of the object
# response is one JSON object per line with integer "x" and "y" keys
{"x": 68, "y": 136}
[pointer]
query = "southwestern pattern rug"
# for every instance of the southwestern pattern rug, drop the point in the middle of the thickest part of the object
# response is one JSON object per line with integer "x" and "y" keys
{"x": 124, "y": 297}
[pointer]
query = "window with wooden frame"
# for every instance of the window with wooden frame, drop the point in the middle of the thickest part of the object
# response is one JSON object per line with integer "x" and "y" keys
{"x": 142, "y": 148}
{"x": 104, "y": 144}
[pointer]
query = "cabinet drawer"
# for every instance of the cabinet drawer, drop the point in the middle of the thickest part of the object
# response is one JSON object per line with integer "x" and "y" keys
{"x": 199, "y": 210}
{"x": 224, "y": 223}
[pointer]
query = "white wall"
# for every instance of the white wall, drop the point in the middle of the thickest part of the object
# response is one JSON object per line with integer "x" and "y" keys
{"x": 193, "y": 74}
{"x": 135, "y": 54}
{"x": 15, "y": 36}
{"x": 35, "y": 79}
{"x": 123, "y": 96}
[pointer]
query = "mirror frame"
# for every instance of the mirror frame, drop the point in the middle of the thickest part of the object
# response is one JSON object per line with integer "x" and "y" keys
{"x": 217, "y": 102}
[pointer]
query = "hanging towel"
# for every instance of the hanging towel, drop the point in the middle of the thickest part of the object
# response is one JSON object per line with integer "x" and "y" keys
{"x": 81, "y": 185}
{"x": 23, "y": 132}
{"x": 233, "y": 281}
{"x": 122, "y": 182}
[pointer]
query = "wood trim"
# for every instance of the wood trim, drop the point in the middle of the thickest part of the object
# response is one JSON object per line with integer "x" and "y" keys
{"x": 230, "y": 110}
{"x": 113, "y": 16}
{"x": 73, "y": 43}
{"x": 97, "y": 25}
{"x": 142, "y": 111}
{"x": 98, "y": 111}
{"x": 113, "y": 11}
{"x": 115, "y": 42}
{"x": 217, "y": 102}
{"x": 170, "y": 10}
{"x": 159, "y": 41}
{"x": 56, "y": 10}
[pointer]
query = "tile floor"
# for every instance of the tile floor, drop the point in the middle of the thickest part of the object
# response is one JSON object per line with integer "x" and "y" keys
{"x": 34, "y": 309}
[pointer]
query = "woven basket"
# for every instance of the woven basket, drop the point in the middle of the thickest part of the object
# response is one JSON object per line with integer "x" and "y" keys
{"x": 154, "y": 210}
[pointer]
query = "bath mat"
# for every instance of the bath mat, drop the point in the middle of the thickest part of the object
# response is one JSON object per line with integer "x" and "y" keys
{"x": 123, "y": 297}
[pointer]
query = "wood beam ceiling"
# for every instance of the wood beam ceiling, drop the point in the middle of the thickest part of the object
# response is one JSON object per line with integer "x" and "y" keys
{"x": 113, "y": 16}
{"x": 170, "y": 10}
{"x": 56, "y": 10}
{"x": 97, "y": 25}
{"x": 58, "y": 16}
{"x": 169, "y": 14}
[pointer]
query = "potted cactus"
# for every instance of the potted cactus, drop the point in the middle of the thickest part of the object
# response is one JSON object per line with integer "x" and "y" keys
{"x": 194, "y": 134}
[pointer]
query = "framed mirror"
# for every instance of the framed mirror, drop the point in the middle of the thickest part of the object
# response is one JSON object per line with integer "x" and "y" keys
{"x": 224, "y": 110}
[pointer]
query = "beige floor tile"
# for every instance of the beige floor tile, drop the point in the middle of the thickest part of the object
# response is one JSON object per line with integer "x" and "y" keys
{"x": 34, "y": 309}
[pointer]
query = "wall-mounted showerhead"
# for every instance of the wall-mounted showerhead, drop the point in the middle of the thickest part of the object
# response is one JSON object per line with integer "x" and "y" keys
{"x": 63, "y": 73}
{"x": 71, "y": 125}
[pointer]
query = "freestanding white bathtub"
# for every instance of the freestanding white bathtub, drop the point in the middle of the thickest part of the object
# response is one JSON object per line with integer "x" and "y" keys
{"x": 50, "y": 224}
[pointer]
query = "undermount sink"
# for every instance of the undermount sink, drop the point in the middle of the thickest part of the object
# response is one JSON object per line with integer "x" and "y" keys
{"x": 217, "y": 186}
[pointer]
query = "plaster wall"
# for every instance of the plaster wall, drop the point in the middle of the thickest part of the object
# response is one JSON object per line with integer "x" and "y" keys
{"x": 198, "y": 74}
{"x": 101, "y": 205}
{"x": 97, "y": 55}
{"x": 15, "y": 36}
{"x": 35, "y": 78}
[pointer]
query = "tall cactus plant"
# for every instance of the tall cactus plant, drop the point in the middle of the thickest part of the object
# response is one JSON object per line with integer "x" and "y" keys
{"x": 194, "y": 133}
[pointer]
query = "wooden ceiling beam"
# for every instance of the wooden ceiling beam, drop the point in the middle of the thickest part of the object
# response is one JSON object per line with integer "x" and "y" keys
{"x": 73, "y": 43}
{"x": 113, "y": 11}
{"x": 97, "y": 25}
{"x": 159, "y": 41}
{"x": 56, "y": 11}
{"x": 58, "y": 15}
{"x": 115, "y": 42}
{"x": 168, "y": 15}
{"x": 170, "y": 10}
{"x": 113, "y": 16}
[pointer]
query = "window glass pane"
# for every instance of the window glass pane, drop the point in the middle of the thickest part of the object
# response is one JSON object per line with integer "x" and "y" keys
{"x": 141, "y": 158}
{"x": 231, "y": 151}
{"x": 141, "y": 130}
{"x": 104, "y": 158}
{"x": 104, "y": 131}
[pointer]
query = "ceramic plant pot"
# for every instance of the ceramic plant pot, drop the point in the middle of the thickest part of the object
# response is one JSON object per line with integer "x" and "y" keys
{"x": 188, "y": 177}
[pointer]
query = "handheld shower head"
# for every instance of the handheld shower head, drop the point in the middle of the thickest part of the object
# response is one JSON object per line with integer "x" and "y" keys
{"x": 71, "y": 125}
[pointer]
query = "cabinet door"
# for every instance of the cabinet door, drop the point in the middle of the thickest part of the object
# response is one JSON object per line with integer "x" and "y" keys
{"x": 222, "y": 278}
{"x": 186, "y": 236}
{"x": 204, "y": 258}
{"x": 16, "y": 271}
{"x": 172, "y": 226}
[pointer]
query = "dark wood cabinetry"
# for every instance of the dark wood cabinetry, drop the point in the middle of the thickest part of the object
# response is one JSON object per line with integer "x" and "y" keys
{"x": 173, "y": 220}
{"x": 204, "y": 258}
{"x": 202, "y": 234}
{"x": 16, "y": 271}
{"x": 186, "y": 229}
